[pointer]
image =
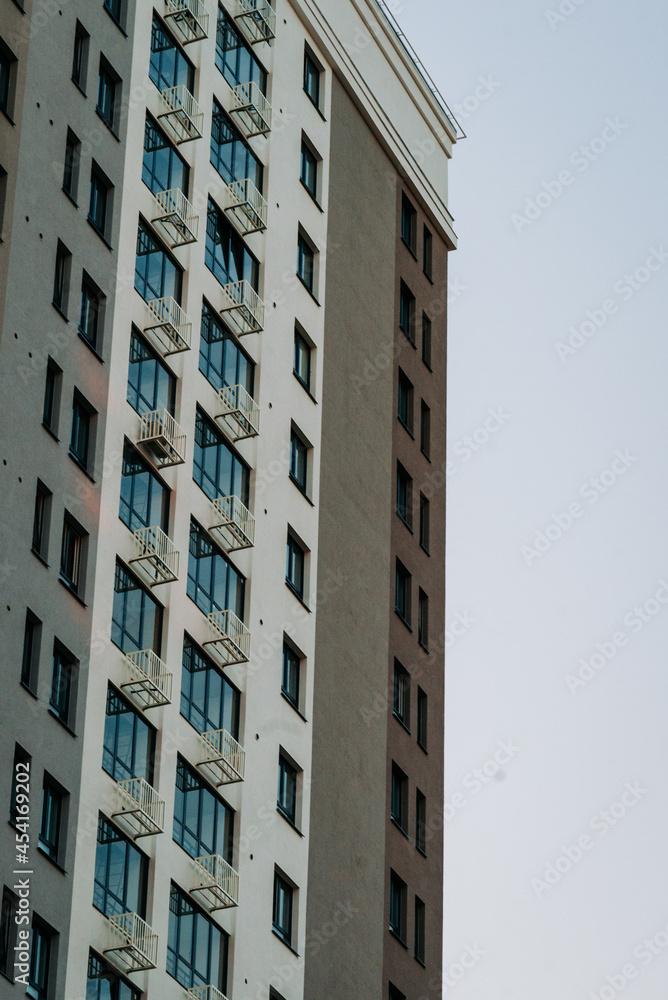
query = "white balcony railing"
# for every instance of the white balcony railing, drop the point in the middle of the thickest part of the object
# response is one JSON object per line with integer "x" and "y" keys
{"x": 238, "y": 412}
{"x": 243, "y": 308}
{"x": 246, "y": 207}
{"x": 216, "y": 882}
{"x": 175, "y": 218}
{"x": 147, "y": 679}
{"x": 233, "y": 524}
{"x": 162, "y": 437}
{"x": 141, "y": 810}
{"x": 156, "y": 557}
{"x": 188, "y": 18}
{"x": 251, "y": 109}
{"x": 228, "y": 637}
{"x": 205, "y": 993}
{"x": 132, "y": 942}
{"x": 181, "y": 114}
{"x": 223, "y": 756}
{"x": 167, "y": 327}
{"x": 257, "y": 19}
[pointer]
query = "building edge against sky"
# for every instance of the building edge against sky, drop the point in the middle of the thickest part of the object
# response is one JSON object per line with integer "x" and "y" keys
{"x": 222, "y": 380}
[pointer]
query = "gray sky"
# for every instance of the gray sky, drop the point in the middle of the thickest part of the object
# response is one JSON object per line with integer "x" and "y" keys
{"x": 557, "y": 521}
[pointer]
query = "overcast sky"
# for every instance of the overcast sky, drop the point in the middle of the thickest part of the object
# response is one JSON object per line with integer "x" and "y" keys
{"x": 557, "y": 865}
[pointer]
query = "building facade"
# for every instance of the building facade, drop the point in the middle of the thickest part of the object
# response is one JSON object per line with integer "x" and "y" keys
{"x": 223, "y": 280}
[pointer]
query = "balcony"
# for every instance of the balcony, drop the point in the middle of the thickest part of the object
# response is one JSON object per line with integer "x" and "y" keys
{"x": 245, "y": 206}
{"x": 168, "y": 328}
{"x": 141, "y": 810}
{"x": 162, "y": 438}
{"x": 174, "y": 218}
{"x": 188, "y": 19}
{"x": 257, "y": 20}
{"x": 233, "y": 524}
{"x": 251, "y": 109}
{"x": 216, "y": 882}
{"x": 204, "y": 993}
{"x": 238, "y": 412}
{"x": 132, "y": 943}
{"x": 181, "y": 114}
{"x": 228, "y": 638}
{"x": 156, "y": 558}
{"x": 147, "y": 679}
{"x": 222, "y": 757}
{"x": 243, "y": 308}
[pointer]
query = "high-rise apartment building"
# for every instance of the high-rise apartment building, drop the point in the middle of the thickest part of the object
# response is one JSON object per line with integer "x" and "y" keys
{"x": 223, "y": 262}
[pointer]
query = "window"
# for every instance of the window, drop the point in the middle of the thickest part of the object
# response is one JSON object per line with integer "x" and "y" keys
{"x": 19, "y": 806}
{"x": 295, "y": 561}
{"x": 71, "y": 171}
{"x": 52, "y": 396}
{"x": 99, "y": 206}
{"x": 80, "y": 59}
{"x": 405, "y": 402}
{"x": 168, "y": 66}
{"x": 233, "y": 160}
{"x": 420, "y": 821}
{"x": 282, "y": 909}
{"x": 312, "y": 73}
{"x": 394, "y": 994}
{"x": 213, "y": 582}
{"x": 107, "y": 94}
{"x": 83, "y": 416}
{"x": 7, "y": 932}
{"x": 402, "y": 694}
{"x": 105, "y": 983}
{"x": 72, "y": 555}
{"x": 226, "y": 254}
{"x": 41, "y": 521}
{"x": 63, "y": 682}
{"x": 151, "y": 385}
{"x": 115, "y": 8}
{"x": 208, "y": 701}
{"x": 399, "y": 798}
{"x": 402, "y": 599}
{"x": 298, "y": 460}
{"x": 61, "y": 278}
{"x": 40, "y": 959}
{"x": 409, "y": 225}
{"x": 427, "y": 252}
{"x": 144, "y": 499}
{"x": 216, "y": 468}
{"x": 221, "y": 360}
{"x": 129, "y": 741}
{"x": 52, "y": 820}
{"x": 306, "y": 259}
{"x": 422, "y": 718}
{"x": 91, "y": 316}
{"x": 136, "y": 621}
{"x": 32, "y": 636}
{"x": 162, "y": 167}
{"x": 203, "y": 823}
{"x": 234, "y": 58}
{"x": 426, "y": 340}
{"x": 291, "y": 674}
{"x": 423, "y": 618}
{"x": 404, "y": 496}
{"x": 301, "y": 365}
{"x": 157, "y": 275}
{"x": 196, "y": 946}
{"x": 287, "y": 789}
{"x": 407, "y": 312}
{"x": 425, "y": 428}
{"x": 398, "y": 893}
{"x": 419, "y": 930}
{"x": 121, "y": 873}
{"x": 7, "y": 65}
{"x": 424, "y": 522}
{"x": 309, "y": 169}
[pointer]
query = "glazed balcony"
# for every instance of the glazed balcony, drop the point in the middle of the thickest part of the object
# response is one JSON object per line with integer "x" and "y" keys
{"x": 245, "y": 206}
{"x": 168, "y": 328}
{"x": 257, "y": 20}
{"x": 222, "y": 757}
{"x": 233, "y": 524}
{"x": 156, "y": 557}
{"x": 181, "y": 114}
{"x": 216, "y": 882}
{"x": 162, "y": 438}
{"x": 251, "y": 109}
{"x": 238, "y": 412}
{"x": 229, "y": 639}
{"x": 174, "y": 218}
{"x": 147, "y": 679}
{"x": 141, "y": 810}
{"x": 242, "y": 308}
{"x": 132, "y": 944}
{"x": 188, "y": 20}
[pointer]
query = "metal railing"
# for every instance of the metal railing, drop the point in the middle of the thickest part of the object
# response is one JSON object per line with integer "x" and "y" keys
{"x": 229, "y": 637}
{"x": 160, "y": 433}
{"x": 132, "y": 936}
{"x": 141, "y": 807}
{"x": 252, "y": 109}
{"x": 257, "y": 18}
{"x": 181, "y": 113}
{"x": 176, "y": 218}
{"x": 239, "y": 412}
{"x": 147, "y": 678}
{"x": 246, "y": 206}
{"x": 233, "y": 522}
{"x": 221, "y": 750}
{"x": 216, "y": 881}
{"x": 157, "y": 552}
{"x": 205, "y": 993}
{"x": 169, "y": 325}
{"x": 189, "y": 19}
{"x": 243, "y": 306}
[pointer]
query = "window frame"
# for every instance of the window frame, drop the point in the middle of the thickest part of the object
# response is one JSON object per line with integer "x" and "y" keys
{"x": 307, "y": 263}
{"x": 427, "y": 253}
{"x": 73, "y": 534}
{"x": 32, "y": 640}
{"x": 100, "y": 202}
{"x": 118, "y": 625}
{"x": 244, "y": 366}
{"x": 291, "y": 666}
{"x": 83, "y": 416}
{"x": 108, "y": 83}
{"x": 422, "y": 718}
{"x": 300, "y": 339}
{"x": 120, "y": 770}
{"x": 192, "y": 841}
{"x": 313, "y": 70}
{"x": 164, "y": 379}
{"x": 398, "y": 906}
{"x": 41, "y": 521}
{"x": 288, "y": 788}
{"x": 61, "y": 278}
{"x": 409, "y": 224}
{"x": 295, "y": 566}
{"x": 53, "y": 824}
{"x": 91, "y": 313}
{"x": 403, "y": 585}
{"x": 421, "y": 822}
{"x": 419, "y": 942}
{"x": 192, "y": 653}
{"x": 171, "y": 271}
{"x": 404, "y": 496}
{"x": 79, "y": 73}
{"x": 426, "y": 341}
{"x": 205, "y": 597}
{"x": 175, "y": 957}
{"x": 405, "y": 393}
{"x": 130, "y": 514}
{"x": 425, "y": 518}
{"x": 310, "y": 163}
{"x": 238, "y": 483}
{"x": 112, "y": 904}
{"x": 71, "y": 165}
{"x": 108, "y": 973}
{"x": 52, "y": 393}
{"x": 401, "y": 702}
{"x": 40, "y": 988}
{"x": 8, "y": 66}
{"x": 407, "y": 312}
{"x": 63, "y": 689}
{"x": 283, "y": 908}
{"x": 299, "y": 455}
{"x": 425, "y": 428}
{"x": 423, "y": 619}
{"x": 399, "y": 798}
{"x": 8, "y": 932}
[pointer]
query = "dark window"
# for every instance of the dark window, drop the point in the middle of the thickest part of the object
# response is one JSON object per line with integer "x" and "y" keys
{"x": 306, "y": 263}
{"x": 92, "y": 312}
{"x": 32, "y": 636}
{"x": 40, "y": 960}
{"x": 61, "y": 278}
{"x": 423, "y": 619}
{"x": 115, "y": 8}
{"x": 282, "y": 909}
{"x": 301, "y": 364}
{"x": 203, "y": 824}
{"x": 72, "y": 555}
{"x": 426, "y": 340}
{"x": 121, "y": 873}
{"x": 298, "y": 460}
{"x": 208, "y": 701}
{"x": 221, "y": 360}
{"x": 407, "y": 312}
{"x": 394, "y": 994}
{"x": 420, "y": 821}
{"x": 157, "y": 275}
{"x": 129, "y": 742}
{"x": 225, "y": 252}
{"x": 63, "y": 682}
{"x": 7, "y": 63}
{"x": 52, "y": 395}
{"x": 295, "y": 563}
{"x": 309, "y": 170}
{"x": 7, "y": 932}
{"x": 234, "y": 58}
{"x": 402, "y": 694}
{"x": 424, "y": 522}
{"x": 404, "y": 496}
{"x": 105, "y": 983}
{"x": 402, "y": 599}
{"x": 427, "y": 252}
{"x": 422, "y": 718}
{"x": 419, "y": 930}
{"x": 196, "y": 947}
{"x": 144, "y": 499}
{"x": 51, "y": 823}
{"x": 291, "y": 674}
{"x": 99, "y": 206}
{"x": 405, "y": 402}
{"x": 399, "y": 798}
{"x": 19, "y": 806}
{"x": 162, "y": 167}
{"x": 82, "y": 425}
{"x": 72, "y": 159}
{"x": 408, "y": 224}
{"x": 216, "y": 468}
{"x": 136, "y": 621}
{"x": 41, "y": 520}
{"x": 233, "y": 160}
{"x": 151, "y": 385}
{"x": 312, "y": 79}
{"x": 213, "y": 582}
{"x": 80, "y": 59}
{"x": 425, "y": 428}
{"x": 398, "y": 898}
{"x": 287, "y": 789}
{"x": 168, "y": 67}
{"x": 107, "y": 96}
